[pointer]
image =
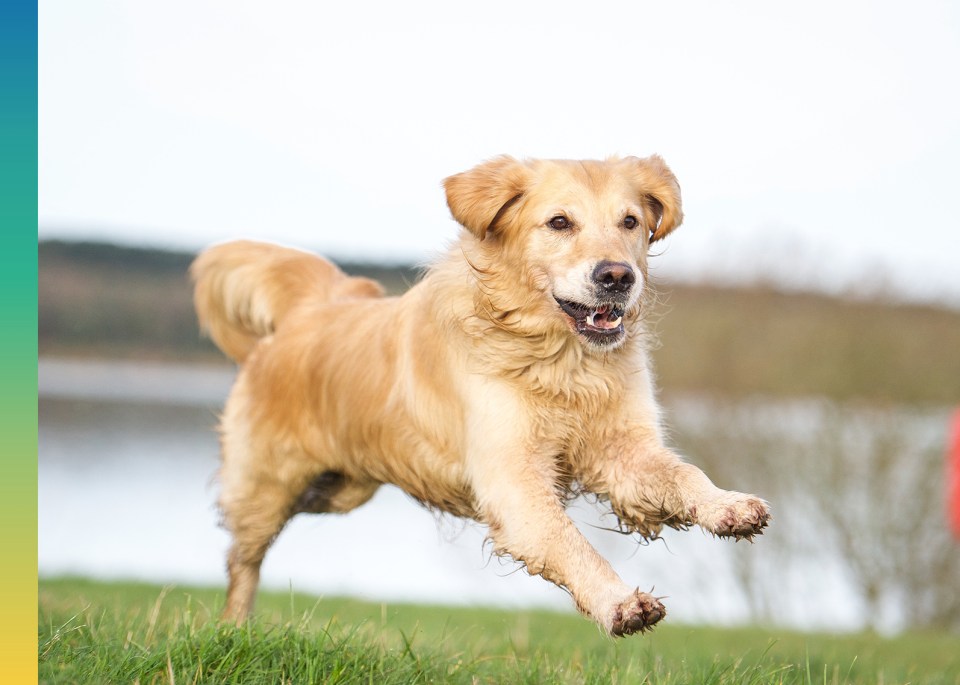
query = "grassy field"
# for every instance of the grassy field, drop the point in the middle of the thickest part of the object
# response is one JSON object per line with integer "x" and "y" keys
{"x": 134, "y": 633}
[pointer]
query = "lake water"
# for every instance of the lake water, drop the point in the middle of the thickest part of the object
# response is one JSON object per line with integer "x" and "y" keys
{"x": 127, "y": 464}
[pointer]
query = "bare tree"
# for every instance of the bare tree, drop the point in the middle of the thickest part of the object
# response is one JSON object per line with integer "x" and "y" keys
{"x": 860, "y": 486}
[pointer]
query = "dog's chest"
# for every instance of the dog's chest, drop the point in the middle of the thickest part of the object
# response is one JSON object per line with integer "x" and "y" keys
{"x": 585, "y": 391}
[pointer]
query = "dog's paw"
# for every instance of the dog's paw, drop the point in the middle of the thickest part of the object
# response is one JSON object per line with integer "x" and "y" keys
{"x": 734, "y": 515}
{"x": 636, "y": 614}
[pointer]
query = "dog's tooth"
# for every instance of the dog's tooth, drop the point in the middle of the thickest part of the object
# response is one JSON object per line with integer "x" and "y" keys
{"x": 616, "y": 322}
{"x": 590, "y": 319}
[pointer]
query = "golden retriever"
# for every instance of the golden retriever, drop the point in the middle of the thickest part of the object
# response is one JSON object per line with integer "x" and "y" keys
{"x": 513, "y": 375}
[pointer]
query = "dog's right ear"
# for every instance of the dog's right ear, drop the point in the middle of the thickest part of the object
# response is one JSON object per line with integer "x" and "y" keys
{"x": 479, "y": 198}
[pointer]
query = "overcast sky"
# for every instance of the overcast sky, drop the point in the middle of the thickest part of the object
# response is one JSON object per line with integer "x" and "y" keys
{"x": 814, "y": 141}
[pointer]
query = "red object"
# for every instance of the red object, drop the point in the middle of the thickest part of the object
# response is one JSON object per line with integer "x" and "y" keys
{"x": 953, "y": 477}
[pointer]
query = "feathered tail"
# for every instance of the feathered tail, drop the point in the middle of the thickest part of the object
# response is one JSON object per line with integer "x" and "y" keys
{"x": 244, "y": 289}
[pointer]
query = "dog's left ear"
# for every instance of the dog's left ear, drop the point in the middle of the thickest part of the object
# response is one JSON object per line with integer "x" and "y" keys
{"x": 661, "y": 191}
{"x": 479, "y": 198}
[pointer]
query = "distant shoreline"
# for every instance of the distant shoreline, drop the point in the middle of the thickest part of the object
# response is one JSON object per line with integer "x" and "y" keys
{"x": 103, "y": 301}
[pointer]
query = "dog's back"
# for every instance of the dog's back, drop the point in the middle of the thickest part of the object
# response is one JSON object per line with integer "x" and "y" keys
{"x": 244, "y": 289}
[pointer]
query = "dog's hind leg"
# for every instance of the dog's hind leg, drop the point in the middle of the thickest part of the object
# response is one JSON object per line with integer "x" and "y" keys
{"x": 257, "y": 501}
{"x": 254, "y": 515}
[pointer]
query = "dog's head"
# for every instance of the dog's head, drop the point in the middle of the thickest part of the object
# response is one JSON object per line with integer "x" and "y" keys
{"x": 577, "y": 232}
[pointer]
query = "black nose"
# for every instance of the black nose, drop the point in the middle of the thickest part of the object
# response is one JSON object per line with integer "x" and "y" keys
{"x": 614, "y": 277}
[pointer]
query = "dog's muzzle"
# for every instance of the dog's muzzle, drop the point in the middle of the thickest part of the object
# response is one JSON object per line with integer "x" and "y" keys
{"x": 600, "y": 321}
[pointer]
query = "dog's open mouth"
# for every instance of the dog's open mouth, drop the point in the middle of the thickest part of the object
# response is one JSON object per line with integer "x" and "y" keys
{"x": 600, "y": 324}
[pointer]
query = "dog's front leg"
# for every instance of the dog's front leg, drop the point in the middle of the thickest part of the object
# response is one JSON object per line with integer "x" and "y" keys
{"x": 514, "y": 483}
{"x": 527, "y": 521}
{"x": 650, "y": 486}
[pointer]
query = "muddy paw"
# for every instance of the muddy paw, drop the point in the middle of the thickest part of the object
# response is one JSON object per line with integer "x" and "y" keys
{"x": 638, "y": 613}
{"x": 735, "y": 515}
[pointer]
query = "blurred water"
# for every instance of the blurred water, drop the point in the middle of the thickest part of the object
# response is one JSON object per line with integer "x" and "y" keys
{"x": 127, "y": 463}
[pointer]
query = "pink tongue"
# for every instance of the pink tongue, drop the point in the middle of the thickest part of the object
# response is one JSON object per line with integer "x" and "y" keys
{"x": 601, "y": 318}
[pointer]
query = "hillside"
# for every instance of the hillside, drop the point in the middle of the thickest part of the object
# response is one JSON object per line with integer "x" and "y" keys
{"x": 105, "y": 300}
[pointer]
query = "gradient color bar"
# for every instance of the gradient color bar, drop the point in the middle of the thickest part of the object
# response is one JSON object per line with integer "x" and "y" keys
{"x": 18, "y": 340}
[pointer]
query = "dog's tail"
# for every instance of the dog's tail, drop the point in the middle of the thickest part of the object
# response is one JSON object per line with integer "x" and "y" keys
{"x": 244, "y": 289}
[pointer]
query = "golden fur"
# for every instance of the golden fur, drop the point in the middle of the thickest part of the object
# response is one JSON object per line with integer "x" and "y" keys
{"x": 512, "y": 375}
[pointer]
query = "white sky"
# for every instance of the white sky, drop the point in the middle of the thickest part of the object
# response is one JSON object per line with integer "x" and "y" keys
{"x": 816, "y": 142}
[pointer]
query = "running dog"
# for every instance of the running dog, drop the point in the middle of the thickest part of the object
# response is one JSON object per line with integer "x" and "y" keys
{"x": 514, "y": 375}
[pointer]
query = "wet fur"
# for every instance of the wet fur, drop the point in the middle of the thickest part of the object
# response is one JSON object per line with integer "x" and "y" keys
{"x": 473, "y": 392}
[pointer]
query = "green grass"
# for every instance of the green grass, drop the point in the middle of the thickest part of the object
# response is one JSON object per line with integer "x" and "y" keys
{"x": 134, "y": 633}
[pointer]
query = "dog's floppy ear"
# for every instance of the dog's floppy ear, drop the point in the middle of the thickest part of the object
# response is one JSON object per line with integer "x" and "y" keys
{"x": 660, "y": 189}
{"x": 479, "y": 198}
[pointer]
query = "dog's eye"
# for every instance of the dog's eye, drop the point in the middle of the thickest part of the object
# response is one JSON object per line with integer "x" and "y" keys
{"x": 559, "y": 223}
{"x": 630, "y": 222}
